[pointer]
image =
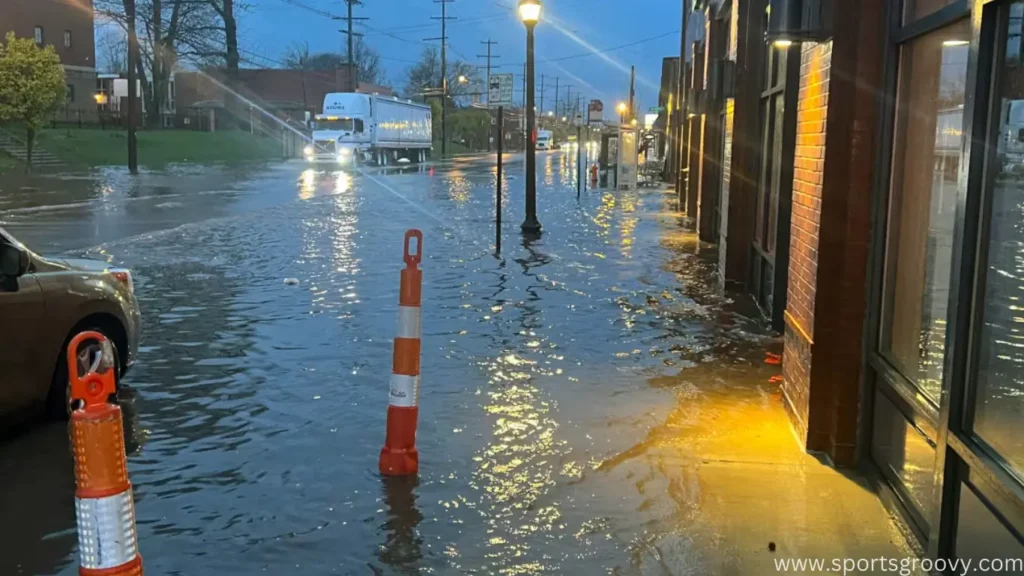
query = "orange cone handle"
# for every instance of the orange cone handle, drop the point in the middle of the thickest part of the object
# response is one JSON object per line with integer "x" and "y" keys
{"x": 399, "y": 457}
{"x": 105, "y": 509}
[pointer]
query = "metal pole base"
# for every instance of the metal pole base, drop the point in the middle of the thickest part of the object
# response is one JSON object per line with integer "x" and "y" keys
{"x": 531, "y": 225}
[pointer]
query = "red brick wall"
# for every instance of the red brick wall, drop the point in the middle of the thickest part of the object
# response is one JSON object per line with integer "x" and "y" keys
{"x": 808, "y": 171}
{"x": 55, "y": 16}
{"x": 808, "y": 178}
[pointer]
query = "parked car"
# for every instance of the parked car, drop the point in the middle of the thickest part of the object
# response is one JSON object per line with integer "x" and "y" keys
{"x": 44, "y": 302}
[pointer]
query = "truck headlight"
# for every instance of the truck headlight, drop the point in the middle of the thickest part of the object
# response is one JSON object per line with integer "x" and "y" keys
{"x": 308, "y": 150}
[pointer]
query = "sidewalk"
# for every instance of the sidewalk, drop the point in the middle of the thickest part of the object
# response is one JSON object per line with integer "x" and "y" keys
{"x": 737, "y": 480}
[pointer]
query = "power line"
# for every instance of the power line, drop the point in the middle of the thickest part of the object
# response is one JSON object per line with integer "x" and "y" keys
{"x": 607, "y": 50}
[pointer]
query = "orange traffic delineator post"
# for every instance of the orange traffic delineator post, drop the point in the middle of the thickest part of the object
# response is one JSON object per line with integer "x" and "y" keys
{"x": 593, "y": 176}
{"x": 399, "y": 457}
{"x": 104, "y": 506}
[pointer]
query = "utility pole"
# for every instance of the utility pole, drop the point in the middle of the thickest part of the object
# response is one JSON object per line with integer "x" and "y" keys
{"x": 568, "y": 98}
{"x": 133, "y": 58}
{"x": 444, "y": 18}
{"x": 632, "y": 93}
{"x": 351, "y": 43}
{"x": 490, "y": 43}
{"x": 542, "y": 96}
{"x": 556, "y": 99}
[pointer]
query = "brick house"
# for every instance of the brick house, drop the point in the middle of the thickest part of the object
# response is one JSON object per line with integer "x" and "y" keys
{"x": 67, "y": 25}
{"x": 286, "y": 93}
{"x": 862, "y": 175}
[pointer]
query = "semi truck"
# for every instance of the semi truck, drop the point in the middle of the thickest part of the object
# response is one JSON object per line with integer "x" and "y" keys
{"x": 356, "y": 128}
{"x": 545, "y": 140}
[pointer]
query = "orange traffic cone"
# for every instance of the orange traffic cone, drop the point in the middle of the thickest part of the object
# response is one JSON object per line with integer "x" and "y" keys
{"x": 105, "y": 509}
{"x": 399, "y": 457}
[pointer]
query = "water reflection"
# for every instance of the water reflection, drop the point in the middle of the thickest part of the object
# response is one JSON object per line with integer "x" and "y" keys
{"x": 260, "y": 405}
{"x": 403, "y": 544}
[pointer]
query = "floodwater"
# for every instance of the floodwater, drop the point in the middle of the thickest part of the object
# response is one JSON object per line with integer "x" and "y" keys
{"x": 554, "y": 376}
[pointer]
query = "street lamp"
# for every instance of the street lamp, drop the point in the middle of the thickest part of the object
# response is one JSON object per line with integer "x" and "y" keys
{"x": 463, "y": 80}
{"x": 622, "y": 109}
{"x": 529, "y": 13}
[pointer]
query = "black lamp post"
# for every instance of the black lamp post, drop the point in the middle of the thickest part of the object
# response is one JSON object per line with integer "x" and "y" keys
{"x": 529, "y": 12}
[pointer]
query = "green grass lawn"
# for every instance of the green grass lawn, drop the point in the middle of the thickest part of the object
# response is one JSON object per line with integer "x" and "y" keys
{"x": 93, "y": 147}
{"x": 8, "y": 164}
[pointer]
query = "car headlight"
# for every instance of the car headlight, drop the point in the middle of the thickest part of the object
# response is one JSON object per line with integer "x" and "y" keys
{"x": 308, "y": 150}
{"x": 344, "y": 152}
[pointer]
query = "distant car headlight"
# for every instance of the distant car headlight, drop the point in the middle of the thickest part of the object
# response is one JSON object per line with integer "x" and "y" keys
{"x": 308, "y": 150}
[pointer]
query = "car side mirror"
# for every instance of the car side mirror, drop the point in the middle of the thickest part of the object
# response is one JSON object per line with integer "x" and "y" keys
{"x": 13, "y": 261}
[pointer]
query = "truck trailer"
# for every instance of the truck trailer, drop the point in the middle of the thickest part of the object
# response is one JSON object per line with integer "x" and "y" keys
{"x": 355, "y": 128}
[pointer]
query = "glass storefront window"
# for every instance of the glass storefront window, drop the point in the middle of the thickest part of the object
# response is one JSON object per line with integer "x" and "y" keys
{"x": 925, "y": 171}
{"x": 904, "y": 454}
{"x": 980, "y": 535}
{"x": 999, "y": 402}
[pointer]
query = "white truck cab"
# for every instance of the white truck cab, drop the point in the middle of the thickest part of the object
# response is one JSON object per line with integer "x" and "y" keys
{"x": 368, "y": 127}
{"x": 545, "y": 139}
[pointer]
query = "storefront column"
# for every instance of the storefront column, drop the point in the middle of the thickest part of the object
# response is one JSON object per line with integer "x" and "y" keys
{"x": 830, "y": 229}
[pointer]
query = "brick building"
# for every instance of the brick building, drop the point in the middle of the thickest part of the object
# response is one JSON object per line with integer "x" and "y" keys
{"x": 67, "y": 25}
{"x": 286, "y": 93}
{"x": 862, "y": 174}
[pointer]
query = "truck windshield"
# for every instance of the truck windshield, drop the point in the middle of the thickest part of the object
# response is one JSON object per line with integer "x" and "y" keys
{"x": 340, "y": 124}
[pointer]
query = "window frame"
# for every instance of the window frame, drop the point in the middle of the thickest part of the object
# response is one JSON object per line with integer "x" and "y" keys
{"x": 959, "y": 455}
{"x": 67, "y": 39}
{"x": 39, "y": 35}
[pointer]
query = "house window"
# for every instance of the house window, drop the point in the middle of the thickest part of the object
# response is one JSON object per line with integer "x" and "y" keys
{"x": 67, "y": 38}
{"x": 71, "y": 93}
{"x": 39, "y": 35}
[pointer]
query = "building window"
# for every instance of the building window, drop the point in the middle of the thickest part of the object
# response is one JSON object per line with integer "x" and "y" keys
{"x": 1000, "y": 353}
{"x": 922, "y": 204}
{"x": 39, "y": 35}
{"x": 67, "y": 38}
{"x": 71, "y": 93}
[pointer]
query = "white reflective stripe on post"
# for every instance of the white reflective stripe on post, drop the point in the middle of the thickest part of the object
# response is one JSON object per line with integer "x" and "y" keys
{"x": 106, "y": 530}
{"x": 409, "y": 321}
{"x": 405, "y": 391}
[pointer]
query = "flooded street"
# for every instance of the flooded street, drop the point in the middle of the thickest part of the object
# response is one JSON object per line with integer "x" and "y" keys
{"x": 564, "y": 383}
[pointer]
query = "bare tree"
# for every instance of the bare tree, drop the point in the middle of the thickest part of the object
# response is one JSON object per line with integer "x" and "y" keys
{"x": 424, "y": 77}
{"x": 172, "y": 31}
{"x": 367, "y": 60}
{"x": 112, "y": 50}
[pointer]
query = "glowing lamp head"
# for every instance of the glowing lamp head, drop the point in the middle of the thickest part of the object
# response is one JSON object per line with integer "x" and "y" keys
{"x": 463, "y": 79}
{"x": 529, "y": 11}
{"x": 622, "y": 108}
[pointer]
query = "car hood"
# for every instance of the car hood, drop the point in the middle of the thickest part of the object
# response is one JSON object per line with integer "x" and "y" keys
{"x": 45, "y": 264}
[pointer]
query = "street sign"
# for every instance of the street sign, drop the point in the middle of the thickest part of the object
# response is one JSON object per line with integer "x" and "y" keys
{"x": 499, "y": 90}
{"x": 655, "y": 109}
{"x": 579, "y": 120}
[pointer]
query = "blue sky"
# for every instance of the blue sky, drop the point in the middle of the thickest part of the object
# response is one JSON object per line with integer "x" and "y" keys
{"x": 397, "y": 28}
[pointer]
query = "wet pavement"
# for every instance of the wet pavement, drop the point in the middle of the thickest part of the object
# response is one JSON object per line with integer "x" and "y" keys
{"x": 591, "y": 401}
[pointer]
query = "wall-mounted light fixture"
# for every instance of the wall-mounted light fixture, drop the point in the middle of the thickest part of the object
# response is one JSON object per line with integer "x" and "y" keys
{"x": 794, "y": 21}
